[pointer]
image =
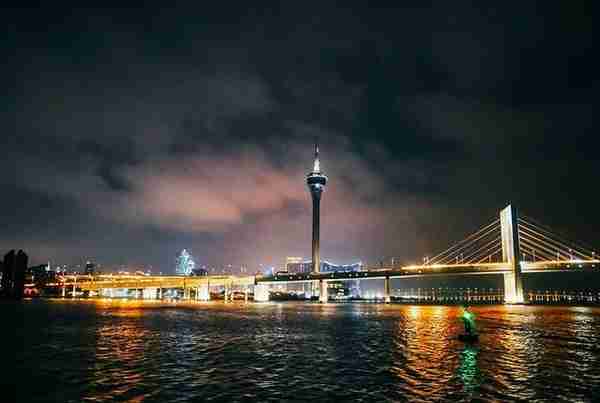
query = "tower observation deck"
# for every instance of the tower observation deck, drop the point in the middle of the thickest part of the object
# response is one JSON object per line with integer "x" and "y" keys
{"x": 316, "y": 182}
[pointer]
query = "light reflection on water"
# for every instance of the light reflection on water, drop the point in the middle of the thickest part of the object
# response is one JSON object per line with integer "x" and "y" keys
{"x": 136, "y": 351}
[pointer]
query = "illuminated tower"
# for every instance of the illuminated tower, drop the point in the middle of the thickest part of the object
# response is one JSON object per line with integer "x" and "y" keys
{"x": 316, "y": 182}
{"x": 184, "y": 264}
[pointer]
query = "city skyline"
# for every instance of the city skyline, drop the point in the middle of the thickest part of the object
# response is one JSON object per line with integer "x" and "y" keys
{"x": 126, "y": 149}
{"x": 298, "y": 201}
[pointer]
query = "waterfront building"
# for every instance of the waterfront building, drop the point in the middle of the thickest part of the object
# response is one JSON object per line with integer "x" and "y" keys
{"x": 349, "y": 288}
{"x": 299, "y": 266}
{"x": 199, "y": 271}
{"x": 5, "y": 275}
{"x": 21, "y": 268}
{"x": 90, "y": 268}
{"x": 14, "y": 267}
{"x": 292, "y": 262}
{"x": 40, "y": 275}
{"x": 8, "y": 273}
{"x": 339, "y": 290}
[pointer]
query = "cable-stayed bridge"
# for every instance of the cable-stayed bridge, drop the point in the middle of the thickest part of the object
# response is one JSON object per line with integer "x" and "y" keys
{"x": 509, "y": 246}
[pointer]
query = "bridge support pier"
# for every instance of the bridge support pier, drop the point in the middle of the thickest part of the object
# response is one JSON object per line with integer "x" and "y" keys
{"x": 64, "y": 291}
{"x": 510, "y": 290}
{"x": 314, "y": 288}
{"x": 509, "y": 228}
{"x": 323, "y": 295}
{"x": 386, "y": 290}
{"x": 160, "y": 292}
{"x": 261, "y": 293}
{"x": 203, "y": 293}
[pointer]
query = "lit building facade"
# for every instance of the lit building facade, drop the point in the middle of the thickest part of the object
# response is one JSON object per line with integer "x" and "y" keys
{"x": 90, "y": 268}
{"x": 298, "y": 265}
{"x": 338, "y": 289}
{"x": 292, "y": 262}
{"x": 184, "y": 264}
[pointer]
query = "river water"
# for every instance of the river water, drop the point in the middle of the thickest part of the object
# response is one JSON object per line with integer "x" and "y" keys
{"x": 72, "y": 351}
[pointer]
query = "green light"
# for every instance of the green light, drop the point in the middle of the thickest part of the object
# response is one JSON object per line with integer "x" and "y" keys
{"x": 469, "y": 319}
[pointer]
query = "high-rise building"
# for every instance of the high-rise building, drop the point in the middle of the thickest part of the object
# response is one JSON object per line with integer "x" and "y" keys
{"x": 292, "y": 264}
{"x": 184, "y": 264}
{"x": 299, "y": 265}
{"x": 8, "y": 272}
{"x": 19, "y": 276}
{"x": 316, "y": 182}
{"x": 40, "y": 275}
{"x": 199, "y": 271}
{"x": 13, "y": 274}
{"x": 350, "y": 288}
{"x": 90, "y": 267}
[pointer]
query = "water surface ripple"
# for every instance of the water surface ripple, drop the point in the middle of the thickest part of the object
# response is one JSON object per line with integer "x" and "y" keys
{"x": 98, "y": 351}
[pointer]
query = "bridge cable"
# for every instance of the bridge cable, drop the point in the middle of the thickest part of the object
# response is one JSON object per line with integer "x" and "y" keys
{"x": 498, "y": 250}
{"x": 540, "y": 227}
{"x": 490, "y": 245}
{"x": 538, "y": 252}
{"x": 468, "y": 249}
{"x": 552, "y": 243}
{"x": 545, "y": 228}
{"x": 540, "y": 244}
{"x": 459, "y": 244}
{"x": 551, "y": 248}
{"x": 463, "y": 245}
{"x": 552, "y": 238}
{"x": 562, "y": 243}
{"x": 484, "y": 253}
{"x": 466, "y": 253}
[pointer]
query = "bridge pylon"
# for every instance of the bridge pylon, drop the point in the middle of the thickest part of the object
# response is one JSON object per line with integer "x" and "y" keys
{"x": 509, "y": 230}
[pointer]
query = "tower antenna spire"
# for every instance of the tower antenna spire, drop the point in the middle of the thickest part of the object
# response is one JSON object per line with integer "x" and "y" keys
{"x": 317, "y": 165}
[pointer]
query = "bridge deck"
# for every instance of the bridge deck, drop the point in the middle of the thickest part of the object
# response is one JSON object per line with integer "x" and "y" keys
{"x": 434, "y": 270}
{"x": 93, "y": 283}
{"x": 89, "y": 283}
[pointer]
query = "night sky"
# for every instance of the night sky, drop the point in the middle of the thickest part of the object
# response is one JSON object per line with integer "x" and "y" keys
{"x": 130, "y": 134}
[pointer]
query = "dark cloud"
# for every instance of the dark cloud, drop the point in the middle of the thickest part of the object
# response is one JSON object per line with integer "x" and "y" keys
{"x": 131, "y": 134}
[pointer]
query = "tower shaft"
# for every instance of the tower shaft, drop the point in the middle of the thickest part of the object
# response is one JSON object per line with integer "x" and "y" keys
{"x": 316, "y": 182}
{"x": 316, "y": 224}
